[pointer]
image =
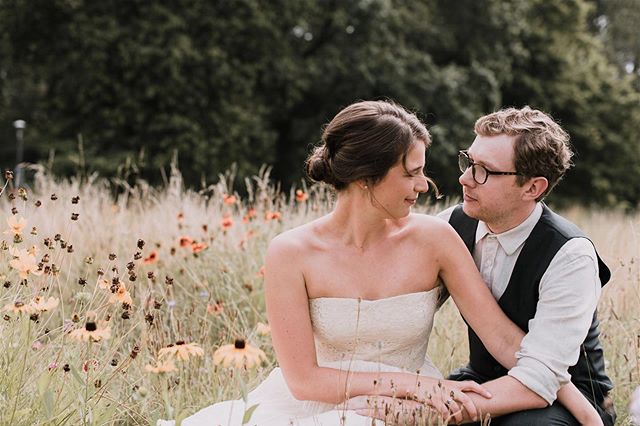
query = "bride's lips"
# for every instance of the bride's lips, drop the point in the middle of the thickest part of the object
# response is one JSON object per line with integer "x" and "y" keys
{"x": 411, "y": 201}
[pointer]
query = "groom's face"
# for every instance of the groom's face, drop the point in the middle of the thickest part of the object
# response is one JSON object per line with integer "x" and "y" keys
{"x": 494, "y": 201}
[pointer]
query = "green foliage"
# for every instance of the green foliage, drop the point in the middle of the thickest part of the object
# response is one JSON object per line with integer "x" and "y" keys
{"x": 250, "y": 82}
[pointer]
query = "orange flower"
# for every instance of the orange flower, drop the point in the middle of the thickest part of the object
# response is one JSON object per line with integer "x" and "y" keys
{"x": 301, "y": 196}
{"x": 272, "y": 216}
{"x": 215, "y": 308}
{"x": 41, "y": 305}
{"x": 226, "y": 222}
{"x": 198, "y": 247}
{"x": 24, "y": 262}
{"x": 152, "y": 258}
{"x": 16, "y": 224}
{"x": 18, "y": 308}
{"x": 251, "y": 213}
{"x": 229, "y": 199}
{"x": 185, "y": 241}
{"x": 121, "y": 295}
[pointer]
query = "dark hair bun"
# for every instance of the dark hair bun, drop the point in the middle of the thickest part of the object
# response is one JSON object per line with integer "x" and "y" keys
{"x": 319, "y": 166}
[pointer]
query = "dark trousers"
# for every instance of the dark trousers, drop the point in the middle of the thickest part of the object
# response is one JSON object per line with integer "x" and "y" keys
{"x": 555, "y": 414}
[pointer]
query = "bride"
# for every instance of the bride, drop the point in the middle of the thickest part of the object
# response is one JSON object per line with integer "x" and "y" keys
{"x": 351, "y": 296}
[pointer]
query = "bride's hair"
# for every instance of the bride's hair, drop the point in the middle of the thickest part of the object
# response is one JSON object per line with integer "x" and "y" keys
{"x": 363, "y": 141}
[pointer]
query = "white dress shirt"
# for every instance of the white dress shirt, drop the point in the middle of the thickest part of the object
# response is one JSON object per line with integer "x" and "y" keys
{"x": 568, "y": 295}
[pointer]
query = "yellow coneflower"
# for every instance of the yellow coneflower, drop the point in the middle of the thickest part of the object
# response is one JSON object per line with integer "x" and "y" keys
{"x": 166, "y": 366}
{"x": 92, "y": 332}
{"x": 263, "y": 329}
{"x": 18, "y": 308}
{"x": 121, "y": 296}
{"x": 240, "y": 355}
{"x": 16, "y": 224}
{"x": 181, "y": 351}
{"x": 41, "y": 305}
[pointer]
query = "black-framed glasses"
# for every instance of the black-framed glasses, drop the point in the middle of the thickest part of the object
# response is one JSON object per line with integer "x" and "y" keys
{"x": 479, "y": 172}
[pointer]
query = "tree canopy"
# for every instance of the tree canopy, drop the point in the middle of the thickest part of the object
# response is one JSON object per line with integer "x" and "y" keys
{"x": 251, "y": 82}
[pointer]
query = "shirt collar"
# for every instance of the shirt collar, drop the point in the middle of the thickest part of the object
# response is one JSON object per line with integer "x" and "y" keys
{"x": 513, "y": 238}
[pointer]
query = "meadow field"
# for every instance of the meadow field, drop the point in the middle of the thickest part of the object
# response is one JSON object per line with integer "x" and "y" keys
{"x": 115, "y": 298}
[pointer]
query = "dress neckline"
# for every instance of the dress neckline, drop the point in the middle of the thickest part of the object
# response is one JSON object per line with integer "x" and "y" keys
{"x": 415, "y": 293}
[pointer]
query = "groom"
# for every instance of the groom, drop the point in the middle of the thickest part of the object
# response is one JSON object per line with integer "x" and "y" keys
{"x": 542, "y": 270}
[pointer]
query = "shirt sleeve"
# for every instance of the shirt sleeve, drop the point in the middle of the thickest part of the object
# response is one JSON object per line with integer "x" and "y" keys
{"x": 569, "y": 292}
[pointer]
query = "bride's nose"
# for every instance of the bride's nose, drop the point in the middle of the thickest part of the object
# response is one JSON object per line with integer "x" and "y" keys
{"x": 422, "y": 185}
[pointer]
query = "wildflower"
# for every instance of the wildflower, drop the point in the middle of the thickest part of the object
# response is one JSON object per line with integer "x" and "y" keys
{"x": 198, "y": 247}
{"x": 104, "y": 283}
{"x": 152, "y": 258}
{"x": 263, "y": 329}
{"x": 18, "y": 308}
{"x": 181, "y": 351}
{"x": 22, "y": 193}
{"x": 74, "y": 216}
{"x": 240, "y": 354}
{"x": 229, "y": 199}
{"x": 180, "y": 216}
{"x": 215, "y": 308}
{"x": 272, "y": 216}
{"x": 39, "y": 304}
{"x": 121, "y": 295}
{"x": 185, "y": 241}
{"x": 251, "y": 213}
{"x": 24, "y": 262}
{"x": 54, "y": 197}
{"x": 92, "y": 332}
{"x": 52, "y": 365}
{"x": 301, "y": 196}
{"x": 166, "y": 366}
{"x": 74, "y": 200}
{"x": 88, "y": 260}
{"x": 226, "y": 222}
{"x": 16, "y": 223}
{"x": 91, "y": 363}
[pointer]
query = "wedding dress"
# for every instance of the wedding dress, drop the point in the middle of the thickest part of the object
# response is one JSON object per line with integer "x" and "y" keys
{"x": 381, "y": 335}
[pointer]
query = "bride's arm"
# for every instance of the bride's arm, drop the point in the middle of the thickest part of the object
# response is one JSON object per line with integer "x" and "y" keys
{"x": 292, "y": 335}
{"x": 498, "y": 333}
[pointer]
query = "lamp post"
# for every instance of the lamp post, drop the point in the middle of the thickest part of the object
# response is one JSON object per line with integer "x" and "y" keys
{"x": 19, "y": 126}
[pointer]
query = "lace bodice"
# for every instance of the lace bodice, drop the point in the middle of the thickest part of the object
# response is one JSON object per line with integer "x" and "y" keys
{"x": 393, "y": 331}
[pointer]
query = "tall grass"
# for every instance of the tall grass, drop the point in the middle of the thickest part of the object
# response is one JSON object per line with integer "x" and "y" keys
{"x": 191, "y": 262}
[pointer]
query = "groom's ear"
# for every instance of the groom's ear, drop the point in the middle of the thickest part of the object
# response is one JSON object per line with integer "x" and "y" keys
{"x": 534, "y": 188}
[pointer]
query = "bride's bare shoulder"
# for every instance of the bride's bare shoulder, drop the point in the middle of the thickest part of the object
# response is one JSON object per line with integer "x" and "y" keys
{"x": 295, "y": 241}
{"x": 430, "y": 228}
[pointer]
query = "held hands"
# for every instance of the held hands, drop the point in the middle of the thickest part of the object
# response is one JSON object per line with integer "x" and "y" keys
{"x": 447, "y": 399}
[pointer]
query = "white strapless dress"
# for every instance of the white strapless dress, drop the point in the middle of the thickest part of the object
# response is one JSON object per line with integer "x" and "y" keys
{"x": 382, "y": 335}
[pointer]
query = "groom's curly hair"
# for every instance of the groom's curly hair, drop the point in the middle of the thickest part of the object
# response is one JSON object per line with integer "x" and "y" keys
{"x": 541, "y": 146}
